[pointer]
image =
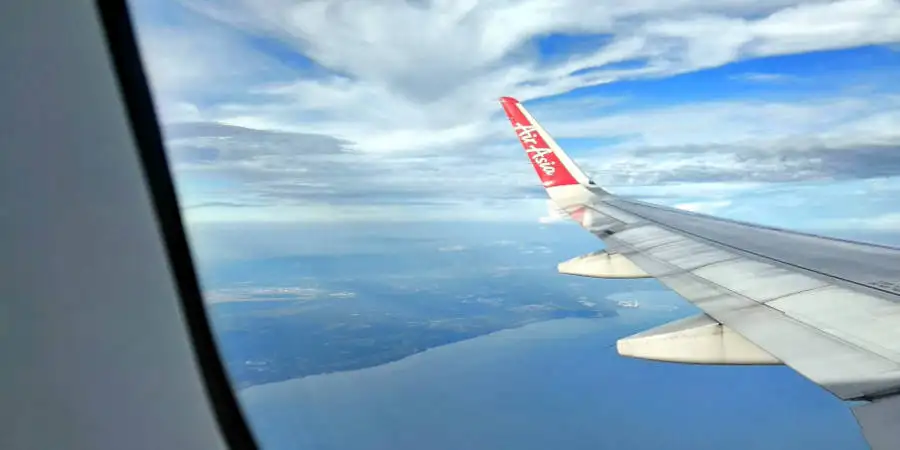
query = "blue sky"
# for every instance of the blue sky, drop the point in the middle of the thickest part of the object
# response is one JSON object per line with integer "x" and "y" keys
{"x": 784, "y": 112}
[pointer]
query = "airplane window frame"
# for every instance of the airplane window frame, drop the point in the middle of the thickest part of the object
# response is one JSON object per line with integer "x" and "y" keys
{"x": 116, "y": 20}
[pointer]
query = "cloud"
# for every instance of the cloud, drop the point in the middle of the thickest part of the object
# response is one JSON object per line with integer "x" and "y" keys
{"x": 280, "y": 110}
{"x": 271, "y": 294}
{"x": 310, "y": 176}
{"x": 554, "y": 214}
{"x": 193, "y": 62}
{"x": 551, "y": 219}
{"x": 759, "y": 77}
{"x": 452, "y": 249}
{"x": 768, "y": 141}
{"x": 880, "y": 222}
{"x": 704, "y": 207}
{"x": 818, "y": 206}
{"x": 455, "y": 58}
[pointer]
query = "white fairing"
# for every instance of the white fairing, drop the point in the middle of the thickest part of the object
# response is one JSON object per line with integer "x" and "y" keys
{"x": 602, "y": 265}
{"x": 567, "y": 197}
{"x": 695, "y": 340}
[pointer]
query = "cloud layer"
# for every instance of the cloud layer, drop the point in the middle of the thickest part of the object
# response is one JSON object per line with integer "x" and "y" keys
{"x": 356, "y": 108}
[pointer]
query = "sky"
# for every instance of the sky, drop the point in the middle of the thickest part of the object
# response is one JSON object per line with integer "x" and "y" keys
{"x": 781, "y": 112}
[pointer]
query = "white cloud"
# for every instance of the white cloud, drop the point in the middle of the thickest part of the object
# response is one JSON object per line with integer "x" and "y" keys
{"x": 829, "y": 137}
{"x": 762, "y": 77}
{"x": 551, "y": 219}
{"x": 270, "y": 294}
{"x": 554, "y": 214}
{"x": 880, "y": 222}
{"x": 453, "y": 59}
{"x": 737, "y": 121}
{"x": 692, "y": 190}
{"x": 452, "y": 248}
{"x": 704, "y": 207}
{"x": 467, "y": 53}
{"x": 411, "y": 88}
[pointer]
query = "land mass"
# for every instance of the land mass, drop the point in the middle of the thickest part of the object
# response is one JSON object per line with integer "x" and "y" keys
{"x": 270, "y": 341}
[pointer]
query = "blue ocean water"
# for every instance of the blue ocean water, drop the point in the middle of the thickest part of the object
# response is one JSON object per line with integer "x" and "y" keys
{"x": 557, "y": 384}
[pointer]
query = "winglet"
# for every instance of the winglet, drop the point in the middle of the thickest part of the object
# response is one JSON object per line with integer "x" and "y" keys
{"x": 552, "y": 165}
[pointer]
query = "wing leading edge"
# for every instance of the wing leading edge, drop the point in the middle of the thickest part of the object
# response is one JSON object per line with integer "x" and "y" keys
{"x": 827, "y": 308}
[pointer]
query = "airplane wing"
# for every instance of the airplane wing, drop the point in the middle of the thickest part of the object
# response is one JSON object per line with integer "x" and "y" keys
{"x": 827, "y": 308}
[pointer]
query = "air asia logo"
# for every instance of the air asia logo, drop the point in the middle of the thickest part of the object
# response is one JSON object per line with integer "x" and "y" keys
{"x": 528, "y": 136}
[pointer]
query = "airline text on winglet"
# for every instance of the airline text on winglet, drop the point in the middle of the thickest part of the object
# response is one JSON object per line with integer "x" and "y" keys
{"x": 528, "y": 134}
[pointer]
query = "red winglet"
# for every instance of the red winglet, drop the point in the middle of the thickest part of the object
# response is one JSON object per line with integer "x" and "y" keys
{"x": 547, "y": 164}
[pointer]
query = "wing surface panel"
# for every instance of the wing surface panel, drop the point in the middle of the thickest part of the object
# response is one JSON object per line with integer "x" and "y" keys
{"x": 872, "y": 266}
